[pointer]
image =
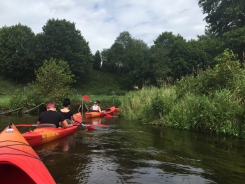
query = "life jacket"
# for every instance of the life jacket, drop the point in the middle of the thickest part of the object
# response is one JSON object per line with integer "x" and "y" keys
{"x": 95, "y": 108}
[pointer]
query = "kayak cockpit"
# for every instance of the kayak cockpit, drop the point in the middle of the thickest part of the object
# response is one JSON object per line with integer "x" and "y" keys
{"x": 46, "y": 125}
{"x": 12, "y": 174}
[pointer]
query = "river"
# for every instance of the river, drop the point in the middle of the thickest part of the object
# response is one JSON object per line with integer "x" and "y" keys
{"x": 128, "y": 152}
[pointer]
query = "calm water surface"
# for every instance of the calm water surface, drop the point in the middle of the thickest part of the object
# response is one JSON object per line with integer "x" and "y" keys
{"x": 128, "y": 152}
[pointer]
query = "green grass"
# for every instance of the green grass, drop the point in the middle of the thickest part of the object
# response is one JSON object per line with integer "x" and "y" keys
{"x": 101, "y": 83}
{"x": 7, "y": 87}
{"x": 4, "y": 102}
{"x": 100, "y": 86}
{"x": 105, "y": 100}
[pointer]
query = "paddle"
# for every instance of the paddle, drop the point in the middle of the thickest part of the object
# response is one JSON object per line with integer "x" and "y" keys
{"x": 89, "y": 127}
{"x": 108, "y": 115}
{"x": 34, "y": 125}
{"x": 86, "y": 98}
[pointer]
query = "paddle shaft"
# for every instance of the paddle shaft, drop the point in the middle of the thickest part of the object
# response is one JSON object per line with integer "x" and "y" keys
{"x": 86, "y": 126}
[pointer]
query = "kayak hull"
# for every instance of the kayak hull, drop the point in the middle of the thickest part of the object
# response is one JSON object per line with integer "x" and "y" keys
{"x": 94, "y": 114}
{"x": 99, "y": 114}
{"x": 46, "y": 134}
{"x": 19, "y": 163}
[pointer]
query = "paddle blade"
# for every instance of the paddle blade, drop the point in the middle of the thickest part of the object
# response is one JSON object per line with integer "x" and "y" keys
{"x": 89, "y": 127}
{"x": 85, "y": 97}
{"x": 99, "y": 125}
{"x": 108, "y": 115}
{"x": 78, "y": 117}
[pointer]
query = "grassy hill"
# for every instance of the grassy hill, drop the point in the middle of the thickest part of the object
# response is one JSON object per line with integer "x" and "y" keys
{"x": 98, "y": 83}
{"x": 101, "y": 83}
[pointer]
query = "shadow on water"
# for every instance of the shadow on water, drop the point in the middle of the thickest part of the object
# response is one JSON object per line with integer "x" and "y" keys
{"x": 128, "y": 152}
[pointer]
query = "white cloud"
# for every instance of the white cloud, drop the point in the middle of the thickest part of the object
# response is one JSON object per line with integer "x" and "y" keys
{"x": 101, "y": 21}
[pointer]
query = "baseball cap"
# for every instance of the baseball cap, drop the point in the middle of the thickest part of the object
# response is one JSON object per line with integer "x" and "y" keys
{"x": 50, "y": 105}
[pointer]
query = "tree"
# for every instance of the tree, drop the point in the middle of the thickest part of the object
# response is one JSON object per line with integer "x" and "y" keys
{"x": 115, "y": 55}
{"x": 235, "y": 40}
{"x": 136, "y": 64}
{"x": 212, "y": 46}
{"x": 104, "y": 56}
{"x": 16, "y": 55}
{"x": 223, "y": 15}
{"x": 226, "y": 19}
{"x": 52, "y": 83}
{"x": 128, "y": 57}
{"x": 61, "y": 40}
{"x": 161, "y": 57}
{"x": 173, "y": 57}
{"x": 97, "y": 61}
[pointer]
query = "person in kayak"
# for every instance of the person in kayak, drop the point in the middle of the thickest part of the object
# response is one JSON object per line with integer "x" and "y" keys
{"x": 95, "y": 107}
{"x": 51, "y": 116}
{"x": 67, "y": 113}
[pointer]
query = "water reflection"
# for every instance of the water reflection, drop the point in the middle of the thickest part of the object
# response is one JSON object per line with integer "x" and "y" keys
{"x": 128, "y": 152}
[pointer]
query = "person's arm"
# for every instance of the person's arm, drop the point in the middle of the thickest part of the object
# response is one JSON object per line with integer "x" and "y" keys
{"x": 64, "y": 124}
{"x": 63, "y": 121}
{"x": 73, "y": 117}
{"x": 99, "y": 108}
{"x": 38, "y": 123}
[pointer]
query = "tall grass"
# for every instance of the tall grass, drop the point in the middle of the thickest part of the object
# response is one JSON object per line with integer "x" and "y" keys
{"x": 6, "y": 91}
{"x": 106, "y": 101}
{"x": 213, "y": 101}
{"x": 147, "y": 104}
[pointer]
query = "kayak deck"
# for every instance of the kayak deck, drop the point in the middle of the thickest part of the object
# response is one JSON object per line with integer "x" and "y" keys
{"x": 19, "y": 163}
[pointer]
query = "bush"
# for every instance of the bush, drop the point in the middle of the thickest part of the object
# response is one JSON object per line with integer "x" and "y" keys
{"x": 52, "y": 84}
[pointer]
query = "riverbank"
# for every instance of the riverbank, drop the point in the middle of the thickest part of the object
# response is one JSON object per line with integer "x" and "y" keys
{"x": 212, "y": 101}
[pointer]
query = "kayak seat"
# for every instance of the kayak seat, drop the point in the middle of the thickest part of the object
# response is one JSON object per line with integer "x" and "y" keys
{"x": 46, "y": 125}
{"x": 69, "y": 122}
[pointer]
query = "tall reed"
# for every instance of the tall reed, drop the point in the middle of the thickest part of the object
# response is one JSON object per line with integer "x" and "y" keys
{"x": 212, "y": 101}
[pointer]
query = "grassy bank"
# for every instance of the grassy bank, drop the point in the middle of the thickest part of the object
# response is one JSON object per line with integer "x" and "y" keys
{"x": 213, "y": 101}
{"x": 7, "y": 90}
{"x": 101, "y": 86}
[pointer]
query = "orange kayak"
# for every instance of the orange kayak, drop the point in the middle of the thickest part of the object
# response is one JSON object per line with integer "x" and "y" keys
{"x": 46, "y": 134}
{"x": 100, "y": 114}
{"x": 19, "y": 163}
{"x": 116, "y": 109}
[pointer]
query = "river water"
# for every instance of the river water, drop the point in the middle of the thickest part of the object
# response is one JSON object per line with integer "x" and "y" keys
{"x": 128, "y": 152}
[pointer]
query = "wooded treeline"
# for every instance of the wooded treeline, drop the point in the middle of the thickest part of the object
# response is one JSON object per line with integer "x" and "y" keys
{"x": 167, "y": 60}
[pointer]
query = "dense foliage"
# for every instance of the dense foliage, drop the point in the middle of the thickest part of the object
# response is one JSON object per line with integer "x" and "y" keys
{"x": 169, "y": 58}
{"x": 97, "y": 61}
{"x": 130, "y": 58}
{"x": 52, "y": 84}
{"x": 16, "y": 56}
{"x": 61, "y": 40}
{"x": 226, "y": 19}
{"x": 213, "y": 101}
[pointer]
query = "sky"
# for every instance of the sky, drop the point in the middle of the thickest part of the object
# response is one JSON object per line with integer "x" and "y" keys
{"x": 101, "y": 21}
